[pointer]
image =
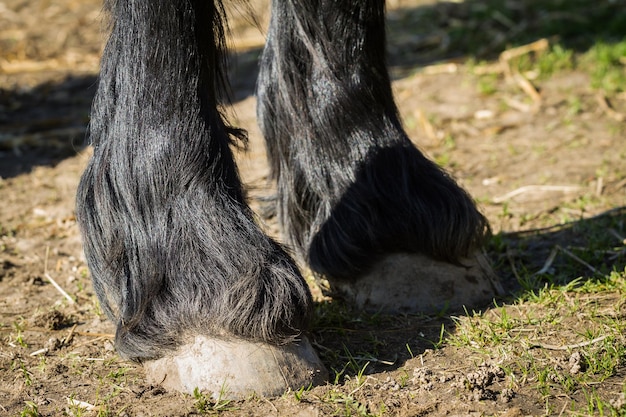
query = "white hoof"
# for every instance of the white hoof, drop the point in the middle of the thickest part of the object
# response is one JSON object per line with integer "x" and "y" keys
{"x": 236, "y": 368}
{"x": 415, "y": 283}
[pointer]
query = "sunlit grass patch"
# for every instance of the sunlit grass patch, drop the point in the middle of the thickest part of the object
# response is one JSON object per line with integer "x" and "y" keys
{"x": 606, "y": 62}
{"x": 561, "y": 339}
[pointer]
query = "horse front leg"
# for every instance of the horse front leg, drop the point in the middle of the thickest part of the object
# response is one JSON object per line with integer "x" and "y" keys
{"x": 196, "y": 291}
{"x": 388, "y": 228}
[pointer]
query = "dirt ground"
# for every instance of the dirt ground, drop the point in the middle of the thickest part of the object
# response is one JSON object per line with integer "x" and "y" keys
{"x": 544, "y": 169}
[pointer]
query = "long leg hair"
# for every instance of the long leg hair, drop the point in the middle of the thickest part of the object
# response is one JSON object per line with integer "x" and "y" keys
{"x": 171, "y": 244}
{"x": 351, "y": 185}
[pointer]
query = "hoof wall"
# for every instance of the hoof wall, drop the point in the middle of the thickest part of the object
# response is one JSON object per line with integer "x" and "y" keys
{"x": 415, "y": 283}
{"x": 236, "y": 369}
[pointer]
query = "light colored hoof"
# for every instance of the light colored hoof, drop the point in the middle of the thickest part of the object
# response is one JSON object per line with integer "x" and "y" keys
{"x": 236, "y": 368}
{"x": 415, "y": 283}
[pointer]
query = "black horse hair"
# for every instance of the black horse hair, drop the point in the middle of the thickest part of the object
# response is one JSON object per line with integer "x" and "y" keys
{"x": 172, "y": 246}
{"x": 351, "y": 185}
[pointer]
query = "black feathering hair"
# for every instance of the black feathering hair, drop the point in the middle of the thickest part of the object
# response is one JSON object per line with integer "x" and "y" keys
{"x": 171, "y": 244}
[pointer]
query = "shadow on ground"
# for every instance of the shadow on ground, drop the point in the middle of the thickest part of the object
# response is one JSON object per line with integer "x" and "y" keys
{"x": 587, "y": 249}
{"x": 45, "y": 124}
{"x": 482, "y": 29}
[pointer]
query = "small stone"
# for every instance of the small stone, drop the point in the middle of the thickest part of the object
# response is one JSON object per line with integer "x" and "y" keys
{"x": 108, "y": 346}
{"x": 576, "y": 363}
{"x": 52, "y": 344}
{"x": 619, "y": 403}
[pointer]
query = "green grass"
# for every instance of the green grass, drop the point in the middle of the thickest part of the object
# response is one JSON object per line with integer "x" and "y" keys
{"x": 584, "y": 36}
{"x": 560, "y": 337}
{"x": 565, "y": 338}
{"x": 606, "y": 62}
{"x": 484, "y": 28}
{"x": 31, "y": 410}
{"x": 207, "y": 405}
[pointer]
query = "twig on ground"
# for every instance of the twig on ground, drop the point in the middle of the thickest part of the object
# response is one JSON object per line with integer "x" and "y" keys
{"x": 67, "y": 339}
{"x": 96, "y": 335}
{"x": 52, "y": 281}
{"x": 537, "y": 46}
{"x": 567, "y": 347}
{"x": 548, "y": 263}
{"x": 97, "y": 339}
{"x": 528, "y": 88}
{"x": 576, "y": 258}
{"x": 534, "y": 188}
{"x": 552, "y": 256}
{"x": 505, "y": 63}
{"x": 59, "y": 289}
{"x": 518, "y": 105}
{"x": 370, "y": 359}
{"x": 354, "y": 391}
{"x": 39, "y": 352}
{"x": 270, "y": 403}
{"x": 504, "y": 66}
{"x": 599, "y": 186}
{"x": 81, "y": 404}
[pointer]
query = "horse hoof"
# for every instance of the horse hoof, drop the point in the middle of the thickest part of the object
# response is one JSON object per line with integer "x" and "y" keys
{"x": 236, "y": 368}
{"x": 416, "y": 283}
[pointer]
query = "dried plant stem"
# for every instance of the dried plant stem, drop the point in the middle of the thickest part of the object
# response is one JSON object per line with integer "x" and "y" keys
{"x": 567, "y": 347}
{"x": 59, "y": 289}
